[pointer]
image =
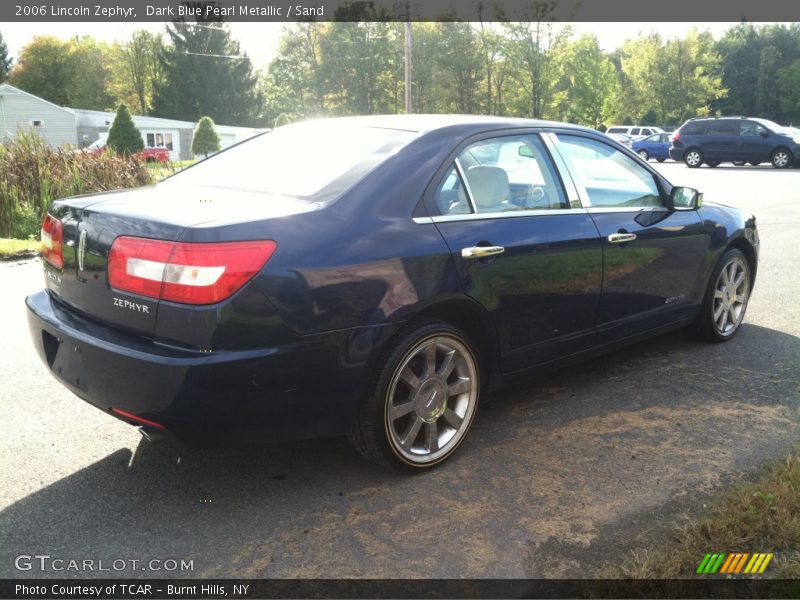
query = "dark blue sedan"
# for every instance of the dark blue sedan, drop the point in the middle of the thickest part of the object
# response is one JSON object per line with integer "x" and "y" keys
{"x": 372, "y": 276}
{"x": 653, "y": 146}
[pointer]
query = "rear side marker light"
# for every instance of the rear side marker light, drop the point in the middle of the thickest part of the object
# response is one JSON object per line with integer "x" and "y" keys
{"x": 52, "y": 235}
{"x": 132, "y": 417}
{"x": 184, "y": 272}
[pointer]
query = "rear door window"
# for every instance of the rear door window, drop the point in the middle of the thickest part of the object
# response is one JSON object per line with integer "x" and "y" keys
{"x": 723, "y": 128}
{"x": 504, "y": 174}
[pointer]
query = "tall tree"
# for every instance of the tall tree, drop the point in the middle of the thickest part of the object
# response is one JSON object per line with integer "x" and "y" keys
{"x": 71, "y": 73}
{"x": 587, "y": 84}
{"x": 205, "y": 73}
{"x": 358, "y": 61}
{"x": 88, "y": 87}
{"x": 531, "y": 49}
{"x": 45, "y": 68}
{"x": 5, "y": 60}
{"x": 137, "y": 68}
{"x": 460, "y": 64}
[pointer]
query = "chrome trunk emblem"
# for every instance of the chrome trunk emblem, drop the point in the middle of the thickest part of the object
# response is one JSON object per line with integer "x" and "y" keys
{"x": 81, "y": 250}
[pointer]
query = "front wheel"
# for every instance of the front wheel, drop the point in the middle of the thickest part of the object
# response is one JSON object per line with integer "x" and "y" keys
{"x": 781, "y": 159}
{"x": 422, "y": 400}
{"x": 726, "y": 298}
{"x": 693, "y": 158}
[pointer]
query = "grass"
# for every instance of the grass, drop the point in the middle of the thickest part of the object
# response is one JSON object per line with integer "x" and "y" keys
{"x": 10, "y": 248}
{"x": 161, "y": 171}
{"x": 763, "y": 516}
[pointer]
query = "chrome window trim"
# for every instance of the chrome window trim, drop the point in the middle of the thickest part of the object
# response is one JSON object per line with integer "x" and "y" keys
{"x": 621, "y": 209}
{"x": 465, "y": 183}
{"x": 511, "y": 214}
{"x": 571, "y": 189}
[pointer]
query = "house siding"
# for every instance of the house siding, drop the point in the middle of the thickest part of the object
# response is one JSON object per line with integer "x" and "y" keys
{"x": 18, "y": 110}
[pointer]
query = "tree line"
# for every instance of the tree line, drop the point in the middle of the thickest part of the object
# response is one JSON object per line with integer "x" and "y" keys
{"x": 531, "y": 69}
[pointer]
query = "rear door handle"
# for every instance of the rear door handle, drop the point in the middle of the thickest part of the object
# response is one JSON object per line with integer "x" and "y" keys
{"x": 621, "y": 238}
{"x": 481, "y": 251}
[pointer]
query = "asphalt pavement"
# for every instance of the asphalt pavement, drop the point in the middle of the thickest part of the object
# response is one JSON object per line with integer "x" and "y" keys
{"x": 561, "y": 477}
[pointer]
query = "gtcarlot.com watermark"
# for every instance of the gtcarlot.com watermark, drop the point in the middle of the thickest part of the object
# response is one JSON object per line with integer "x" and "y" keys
{"x": 46, "y": 563}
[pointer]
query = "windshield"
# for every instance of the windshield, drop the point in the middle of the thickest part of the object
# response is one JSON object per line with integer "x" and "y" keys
{"x": 773, "y": 126}
{"x": 316, "y": 159}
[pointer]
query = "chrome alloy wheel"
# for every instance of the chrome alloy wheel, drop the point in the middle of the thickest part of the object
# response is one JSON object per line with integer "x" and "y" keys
{"x": 730, "y": 296}
{"x": 431, "y": 399}
{"x": 693, "y": 158}
{"x": 781, "y": 159}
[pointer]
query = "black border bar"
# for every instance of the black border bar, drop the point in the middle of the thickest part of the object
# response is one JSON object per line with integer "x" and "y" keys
{"x": 399, "y": 10}
{"x": 700, "y": 587}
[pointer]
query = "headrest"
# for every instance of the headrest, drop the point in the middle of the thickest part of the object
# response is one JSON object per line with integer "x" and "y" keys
{"x": 489, "y": 185}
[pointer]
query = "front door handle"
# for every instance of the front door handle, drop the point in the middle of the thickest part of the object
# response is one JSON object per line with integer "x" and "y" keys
{"x": 621, "y": 238}
{"x": 481, "y": 251}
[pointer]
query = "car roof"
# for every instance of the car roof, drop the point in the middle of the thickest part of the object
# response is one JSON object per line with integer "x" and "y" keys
{"x": 424, "y": 123}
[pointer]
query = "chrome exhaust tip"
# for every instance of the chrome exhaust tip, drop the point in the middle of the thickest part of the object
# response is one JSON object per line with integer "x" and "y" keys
{"x": 151, "y": 436}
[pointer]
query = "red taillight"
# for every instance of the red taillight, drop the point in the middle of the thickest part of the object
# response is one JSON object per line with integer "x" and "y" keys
{"x": 52, "y": 235}
{"x": 676, "y": 136}
{"x": 185, "y": 272}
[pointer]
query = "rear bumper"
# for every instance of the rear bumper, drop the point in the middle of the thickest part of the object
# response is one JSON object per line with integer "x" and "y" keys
{"x": 308, "y": 388}
{"x": 676, "y": 153}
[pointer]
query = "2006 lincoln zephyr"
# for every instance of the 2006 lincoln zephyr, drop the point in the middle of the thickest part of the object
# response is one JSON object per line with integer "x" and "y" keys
{"x": 370, "y": 276}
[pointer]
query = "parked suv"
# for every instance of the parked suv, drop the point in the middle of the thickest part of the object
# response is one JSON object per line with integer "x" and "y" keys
{"x": 635, "y": 132}
{"x": 736, "y": 139}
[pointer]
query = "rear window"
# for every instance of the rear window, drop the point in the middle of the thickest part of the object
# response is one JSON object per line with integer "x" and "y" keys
{"x": 693, "y": 129}
{"x": 312, "y": 160}
{"x": 617, "y": 130}
{"x": 723, "y": 128}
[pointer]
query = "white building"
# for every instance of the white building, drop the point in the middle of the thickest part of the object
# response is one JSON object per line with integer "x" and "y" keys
{"x": 58, "y": 125}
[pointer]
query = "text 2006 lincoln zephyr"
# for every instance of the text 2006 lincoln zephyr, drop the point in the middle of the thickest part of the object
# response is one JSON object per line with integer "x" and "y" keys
{"x": 371, "y": 276}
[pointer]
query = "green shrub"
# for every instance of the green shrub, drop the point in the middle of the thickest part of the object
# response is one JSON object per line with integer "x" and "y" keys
{"x": 123, "y": 137}
{"x": 205, "y": 140}
{"x": 32, "y": 175}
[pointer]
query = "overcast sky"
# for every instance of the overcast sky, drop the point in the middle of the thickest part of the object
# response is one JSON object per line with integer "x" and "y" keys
{"x": 260, "y": 40}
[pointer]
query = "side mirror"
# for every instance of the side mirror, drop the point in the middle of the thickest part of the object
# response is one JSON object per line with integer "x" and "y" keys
{"x": 685, "y": 198}
{"x": 525, "y": 151}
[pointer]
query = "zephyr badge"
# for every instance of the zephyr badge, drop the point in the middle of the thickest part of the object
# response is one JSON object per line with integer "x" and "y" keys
{"x": 81, "y": 250}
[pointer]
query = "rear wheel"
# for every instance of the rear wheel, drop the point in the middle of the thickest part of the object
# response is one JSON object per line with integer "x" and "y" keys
{"x": 661, "y": 159}
{"x": 781, "y": 158}
{"x": 693, "y": 158}
{"x": 713, "y": 163}
{"x": 739, "y": 163}
{"x": 755, "y": 164}
{"x": 644, "y": 154}
{"x": 726, "y": 298}
{"x": 422, "y": 400}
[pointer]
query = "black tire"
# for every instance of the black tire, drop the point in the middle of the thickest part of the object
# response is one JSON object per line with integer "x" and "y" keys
{"x": 706, "y": 326}
{"x": 740, "y": 163}
{"x": 643, "y": 153}
{"x": 713, "y": 163}
{"x": 755, "y": 164}
{"x": 375, "y": 434}
{"x": 661, "y": 159}
{"x": 781, "y": 158}
{"x": 693, "y": 158}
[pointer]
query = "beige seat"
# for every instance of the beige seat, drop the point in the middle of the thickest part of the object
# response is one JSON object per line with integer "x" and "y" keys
{"x": 490, "y": 189}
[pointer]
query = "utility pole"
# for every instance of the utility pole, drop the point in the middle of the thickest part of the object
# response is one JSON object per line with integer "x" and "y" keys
{"x": 409, "y": 66}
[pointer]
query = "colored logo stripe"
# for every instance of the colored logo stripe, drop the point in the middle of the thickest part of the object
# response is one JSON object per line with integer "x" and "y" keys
{"x": 734, "y": 563}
